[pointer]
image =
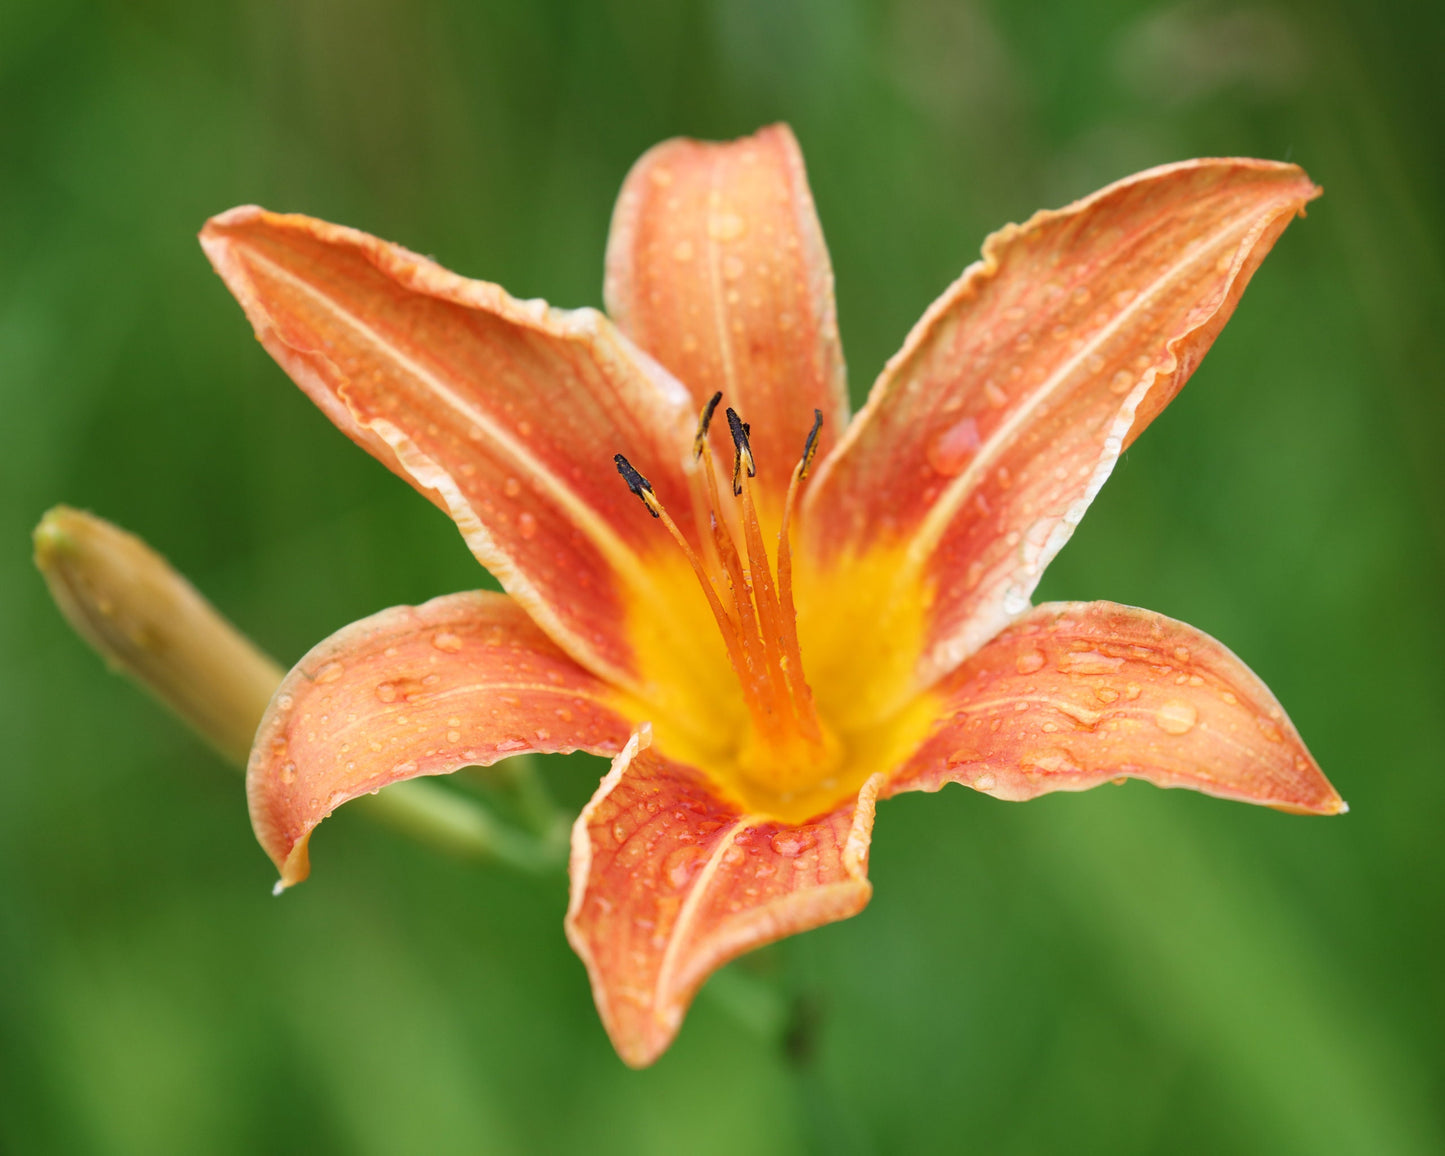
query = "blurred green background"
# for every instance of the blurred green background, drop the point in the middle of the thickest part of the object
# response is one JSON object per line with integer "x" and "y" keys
{"x": 1125, "y": 971}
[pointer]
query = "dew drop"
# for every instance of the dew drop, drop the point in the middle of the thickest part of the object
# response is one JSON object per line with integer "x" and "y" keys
{"x": 447, "y": 641}
{"x": 526, "y": 525}
{"x": 288, "y": 773}
{"x": 1029, "y": 661}
{"x": 386, "y": 691}
{"x": 984, "y": 782}
{"x": 951, "y": 450}
{"x": 1176, "y": 717}
{"x": 681, "y": 865}
{"x": 794, "y": 841}
{"x": 1052, "y": 761}
{"x": 1105, "y": 693}
{"x": 284, "y": 702}
{"x": 725, "y": 226}
{"x": 330, "y": 672}
{"x": 454, "y": 736}
{"x": 511, "y": 487}
{"x": 1088, "y": 662}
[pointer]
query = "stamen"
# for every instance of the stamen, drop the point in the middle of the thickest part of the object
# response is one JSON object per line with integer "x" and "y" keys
{"x": 699, "y": 442}
{"x": 753, "y": 608}
{"x": 703, "y": 485}
{"x": 638, "y": 485}
{"x": 731, "y": 636}
{"x": 743, "y": 452}
{"x": 810, "y": 447}
{"x": 789, "y": 615}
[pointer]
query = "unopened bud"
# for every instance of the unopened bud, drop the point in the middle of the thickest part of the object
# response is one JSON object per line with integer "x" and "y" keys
{"x": 151, "y": 624}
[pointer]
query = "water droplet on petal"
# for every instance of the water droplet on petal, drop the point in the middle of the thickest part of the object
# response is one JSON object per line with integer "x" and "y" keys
{"x": 681, "y": 865}
{"x": 1029, "y": 661}
{"x": 526, "y": 525}
{"x": 1088, "y": 662}
{"x": 284, "y": 702}
{"x": 288, "y": 773}
{"x": 1176, "y": 717}
{"x": 1051, "y": 761}
{"x": 725, "y": 226}
{"x": 386, "y": 691}
{"x": 794, "y": 840}
{"x": 447, "y": 641}
{"x": 511, "y": 487}
{"x": 330, "y": 672}
{"x": 951, "y": 450}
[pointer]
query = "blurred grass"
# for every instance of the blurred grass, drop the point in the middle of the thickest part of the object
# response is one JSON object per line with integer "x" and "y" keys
{"x": 1126, "y": 971}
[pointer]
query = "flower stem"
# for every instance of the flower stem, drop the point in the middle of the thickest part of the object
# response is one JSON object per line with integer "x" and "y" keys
{"x": 152, "y": 625}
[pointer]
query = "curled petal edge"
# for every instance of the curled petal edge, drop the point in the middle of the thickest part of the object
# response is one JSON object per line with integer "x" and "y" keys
{"x": 1076, "y": 694}
{"x": 463, "y": 680}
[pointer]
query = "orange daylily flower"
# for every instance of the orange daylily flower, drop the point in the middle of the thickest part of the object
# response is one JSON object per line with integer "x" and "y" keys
{"x": 802, "y": 615}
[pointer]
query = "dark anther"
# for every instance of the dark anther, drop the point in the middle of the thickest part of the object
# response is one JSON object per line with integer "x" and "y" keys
{"x": 637, "y": 483}
{"x": 811, "y": 446}
{"x": 706, "y": 420}
{"x": 744, "y": 452}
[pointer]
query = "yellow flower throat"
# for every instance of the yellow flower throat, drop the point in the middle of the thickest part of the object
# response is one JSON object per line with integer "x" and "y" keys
{"x": 752, "y": 720}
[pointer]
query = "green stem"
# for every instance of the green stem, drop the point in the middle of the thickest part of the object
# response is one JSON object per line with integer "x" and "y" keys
{"x": 148, "y": 622}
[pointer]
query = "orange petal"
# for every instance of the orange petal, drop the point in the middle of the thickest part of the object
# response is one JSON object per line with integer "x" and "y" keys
{"x": 505, "y": 413}
{"x": 1076, "y": 693}
{"x": 716, "y": 266}
{"x": 463, "y": 680}
{"x": 669, "y": 882}
{"x": 989, "y": 433}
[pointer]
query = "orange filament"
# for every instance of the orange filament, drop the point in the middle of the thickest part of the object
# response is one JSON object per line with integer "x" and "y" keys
{"x": 788, "y": 745}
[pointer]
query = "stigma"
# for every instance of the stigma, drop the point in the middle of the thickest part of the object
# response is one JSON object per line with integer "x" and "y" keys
{"x": 787, "y": 746}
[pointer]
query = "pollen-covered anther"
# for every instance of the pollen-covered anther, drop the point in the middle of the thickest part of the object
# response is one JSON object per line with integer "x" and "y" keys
{"x": 638, "y": 485}
{"x": 699, "y": 442}
{"x": 742, "y": 451}
{"x": 810, "y": 447}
